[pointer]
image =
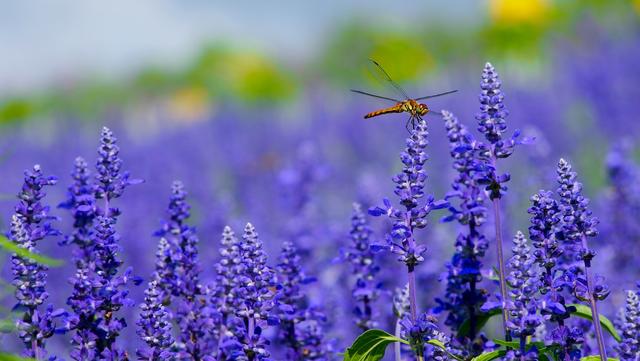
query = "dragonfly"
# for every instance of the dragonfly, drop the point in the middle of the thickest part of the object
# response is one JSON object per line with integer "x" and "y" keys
{"x": 406, "y": 104}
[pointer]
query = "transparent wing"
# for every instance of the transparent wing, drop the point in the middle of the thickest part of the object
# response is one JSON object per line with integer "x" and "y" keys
{"x": 374, "y": 95}
{"x": 383, "y": 77}
{"x": 435, "y": 95}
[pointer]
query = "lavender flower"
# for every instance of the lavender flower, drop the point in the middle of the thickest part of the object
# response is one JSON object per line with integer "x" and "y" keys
{"x": 410, "y": 189}
{"x": 578, "y": 224}
{"x": 290, "y": 277}
{"x": 81, "y": 202}
{"x": 29, "y": 225}
{"x": 35, "y": 215}
{"x": 183, "y": 275}
{"x": 99, "y": 290}
{"x": 523, "y": 280}
{"x": 253, "y": 297}
{"x": 463, "y": 297}
{"x": 227, "y": 269}
{"x": 154, "y": 327}
{"x": 365, "y": 290}
{"x": 491, "y": 123}
{"x": 629, "y": 348}
{"x": 112, "y": 293}
{"x": 110, "y": 178}
{"x": 35, "y": 326}
{"x": 300, "y": 325}
{"x": 423, "y": 329}
{"x": 545, "y": 223}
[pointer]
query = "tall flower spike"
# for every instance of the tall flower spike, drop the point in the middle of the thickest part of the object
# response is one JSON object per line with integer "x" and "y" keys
{"x": 29, "y": 225}
{"x": 410, "y": 189}
{"x": 491, "y": 123}
{"x": 290, "y": 277}
{"x": 99, "y": 290}
{"x": 222, "y": 298}
{"x": 111, "y": 181}
{"x": 523, "y": 280}
{"x": 254, "y": 296}
{"x": 182, "y": 268}
{"x": 629, "y": 348}
{"x": 423, "y": 329}
{"x": 363, "y": 264}
{"x": 81, "y": 202}
{"x": 549, "y": 255}
{"x": 154, "y": 327}
{"x": 300, "y": 327}
{"x": 578, "y": 224}
{"x": 463, "y": 298}
{"x": 491, "y": 118}
{"x": 112, "y": 293}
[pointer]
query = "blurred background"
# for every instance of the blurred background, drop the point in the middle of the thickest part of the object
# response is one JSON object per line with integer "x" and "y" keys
{"x": 248, "y": 103}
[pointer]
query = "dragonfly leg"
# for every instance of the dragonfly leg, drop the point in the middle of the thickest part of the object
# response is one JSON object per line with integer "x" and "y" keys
{"x": 409, "y": 121}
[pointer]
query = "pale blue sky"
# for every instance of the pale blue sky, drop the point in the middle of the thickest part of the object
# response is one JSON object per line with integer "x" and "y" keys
{"x": 44, "y": 42}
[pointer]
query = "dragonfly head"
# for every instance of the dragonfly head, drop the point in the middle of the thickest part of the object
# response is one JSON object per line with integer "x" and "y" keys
{"x": 422, "y": 109}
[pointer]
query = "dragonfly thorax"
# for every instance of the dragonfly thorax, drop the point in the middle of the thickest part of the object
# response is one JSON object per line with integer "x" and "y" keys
{"x": 414, "y": 108}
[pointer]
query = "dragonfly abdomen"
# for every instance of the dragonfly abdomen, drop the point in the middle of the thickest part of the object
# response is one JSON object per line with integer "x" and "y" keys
{"x": 394, "y": 109}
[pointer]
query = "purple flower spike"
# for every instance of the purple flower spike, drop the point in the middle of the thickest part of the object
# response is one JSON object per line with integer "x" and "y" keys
{"x": 366, "y": 289}
{"x": 578, "y": 224}
{"x": 410, "y": 190}
{"x": 463, "y": 297}
{"x": 300, "y": 327}
{"x": 177, "y": 266}
{"x": 491, "y": 118}
{"x": 154, "y": 327}
{"x": 523, "y": 280}
{"x": 629, "y": 348}
{"x": 227, "y": 269}
{"x": 253, "y": 297}
{"x": 29, "y": 225}
{"x": 111, "y": 181}
{"x": 81, "y": 202}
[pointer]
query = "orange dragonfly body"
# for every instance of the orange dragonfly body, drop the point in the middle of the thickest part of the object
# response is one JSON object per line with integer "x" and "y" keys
{"x": 409, "y": 105}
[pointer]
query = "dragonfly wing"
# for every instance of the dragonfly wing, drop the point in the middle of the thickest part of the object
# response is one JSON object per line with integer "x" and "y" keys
{"x": 379, "y": 73}
{"x": 374, "y": 95}
{"x": 435, "y": 95}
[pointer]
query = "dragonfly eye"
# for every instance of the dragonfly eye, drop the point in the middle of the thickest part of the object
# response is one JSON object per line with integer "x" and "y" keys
{"x": 423, "y": 109}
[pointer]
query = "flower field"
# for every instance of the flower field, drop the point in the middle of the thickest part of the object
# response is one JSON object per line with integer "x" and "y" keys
{"x": 502, "y": 226}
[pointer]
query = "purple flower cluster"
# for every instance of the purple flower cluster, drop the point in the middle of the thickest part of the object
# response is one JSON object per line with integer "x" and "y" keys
{"x": 409, "y": 188}
{"x": 30, "y": 224}
{"x": 463, "y": 296}
{"x": 577, "y": 225}
{"x": 366, "y": 289}
{"x": 238, "y": 305}
{"x": 523, "y": 281}
{"x": 300, "y": 326}
{"x": 629, "y": 348}
{"x": 154, "y": 327}
{"x": 99, "y": 289}
{"x": 178, "y": 271}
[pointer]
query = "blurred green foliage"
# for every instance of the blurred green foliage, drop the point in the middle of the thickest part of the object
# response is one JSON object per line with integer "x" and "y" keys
{"x": 509, "y": 30}
{"x": 8, "y": 246}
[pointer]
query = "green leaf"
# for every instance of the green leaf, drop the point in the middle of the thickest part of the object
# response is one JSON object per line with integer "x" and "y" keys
{"x": 597, "y": 358}
{"x": 585, "y": 312}
{"x": 14, "y": 248}
{"x": 370, "y": 346}
{"x": 516, "y": 344}
{"x": 440, "y": 345}
{"x": 481, "y": 320}
{"x": 487, "y": 356}
{"x": 10, "y": 357}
